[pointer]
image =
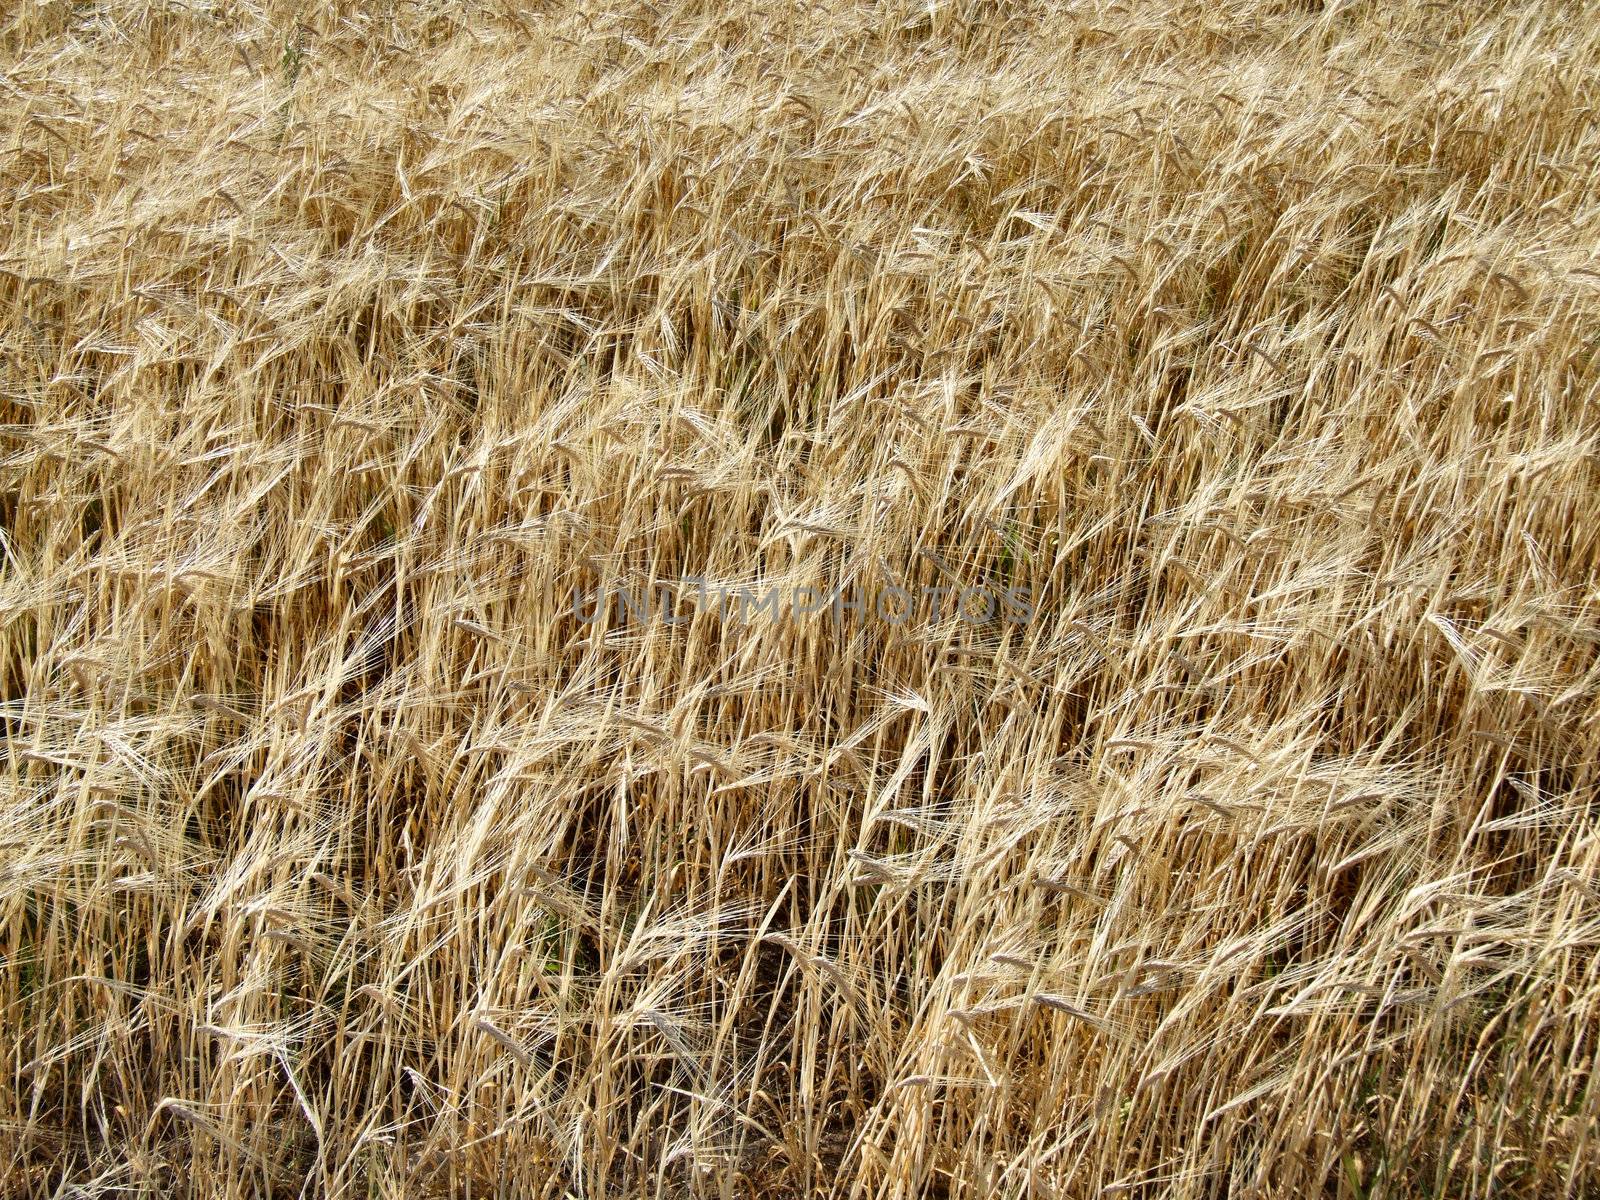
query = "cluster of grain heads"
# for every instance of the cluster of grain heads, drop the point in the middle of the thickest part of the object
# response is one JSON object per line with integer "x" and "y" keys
{"x": 348, "y": 353}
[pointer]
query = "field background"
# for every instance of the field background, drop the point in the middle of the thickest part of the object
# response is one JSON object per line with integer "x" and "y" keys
{"x": 340, "y": 342}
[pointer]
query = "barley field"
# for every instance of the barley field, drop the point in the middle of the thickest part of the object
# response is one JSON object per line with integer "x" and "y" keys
{"x": 870, "y": 599}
